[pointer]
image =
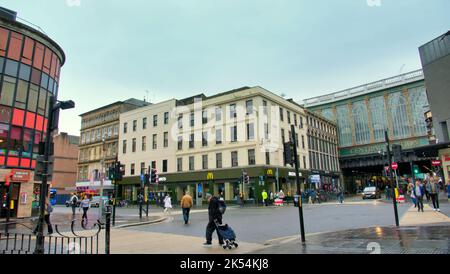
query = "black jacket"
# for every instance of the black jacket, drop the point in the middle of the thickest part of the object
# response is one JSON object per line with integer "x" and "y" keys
{"x": 213, "y": 210}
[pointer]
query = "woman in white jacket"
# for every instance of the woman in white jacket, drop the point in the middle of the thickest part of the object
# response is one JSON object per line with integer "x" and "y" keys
{"x": 167, "y": 204}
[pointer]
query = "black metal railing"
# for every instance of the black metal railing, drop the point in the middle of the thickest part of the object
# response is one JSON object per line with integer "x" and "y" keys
{"x": 84, "y": 240}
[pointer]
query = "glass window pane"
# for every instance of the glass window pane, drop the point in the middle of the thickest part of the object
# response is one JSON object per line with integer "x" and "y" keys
{"x": 345, "y": 129}
{"x": 33, "y": 98}
{"x": 25, "y": 72}
{"x": 379, "y": 119}
{"x": 398, "y": 112}
{"x": 419, "y": 105}
{"x": 7, "y": 95}
{"x": 2, "y": 62}
{"x": 21, "y": 96}
{"x": 4, "y": 131}
{"x": 11, "y": 68}
{"x": 44, "y": 81}
{"x": 35, "y": 76}
{"x": 361, "y": 118}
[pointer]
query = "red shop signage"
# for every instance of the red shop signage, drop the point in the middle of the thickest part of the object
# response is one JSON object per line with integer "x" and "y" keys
{"x": 20, "y": 175}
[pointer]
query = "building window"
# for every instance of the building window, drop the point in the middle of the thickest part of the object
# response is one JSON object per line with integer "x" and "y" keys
{"x": 191, "y": 163}
{"x": 249, "y": 107}
{"x": 166, "y": 118}
{"x": 191, "y": 140}
{"x": 132, "y": 171}
{"x": 234, "y": 159}
{"x": 301, "y": 121}
{"x": 192, "y": 117}
{"x": 142, "y": 168}
{"x": 180, "y": 121}
{"x": 204, "y": 116}
{"x": 205, "y": 161}
{"x": 345, "y": 132}
{"x": 125, "y": 126}
{"x": 180, "y": 142}
{"x": 233, "y": 111}
{"x": 250, "y": 131}
{"x": 303, "y": 141}
{"x": 180, "y": 164}
{"x": 144, "y": 143}
{"x": 154, "y": 141}
{"x": 361, "y": 122}
{"x": 124, "y": 147}
{"x": 154, "y": 164}
{"x": 204, "y": 139}
{"x": 419, "y": 105}
{"x": 218, "y": 160}
{"x": 266, "y": 131}
{"x": 281, "y": 114}
{"x": 283, "y": 139}
{"x": 304, "y": 162}
{"x": 264, "y": 107}
{"x": 164, "y": 166}
{"x": 134, "y": 125}
{"x": 251, "y": 157}
{"x": 267, "y": 158}
{"x": 295, "y": 119}
{"x": 218, "y": 114}
{"x": 144, "y": 123}
{"x": 399, "y": 114}
{"x": 288, "y": 114}
{"x": 218, "y": 136}
{"x": 234, "y": 134}
{"x": 133, "y": 145}
{"x": 166, "y": 139}
{"x": 155, "y": 120}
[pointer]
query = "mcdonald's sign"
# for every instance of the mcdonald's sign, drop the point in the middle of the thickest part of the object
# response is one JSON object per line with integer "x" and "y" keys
{"x": 269, "y": 172}
{"x": 210, "y": 176}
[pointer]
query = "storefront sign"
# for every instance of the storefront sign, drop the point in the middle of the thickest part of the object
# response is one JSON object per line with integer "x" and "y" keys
{"x": 436, "y": 162}
{"x": 21, "y": 175}
{"x": 270, "y": 172}
{"x": 162, "y": 179}
{"x": 292, "y": 174}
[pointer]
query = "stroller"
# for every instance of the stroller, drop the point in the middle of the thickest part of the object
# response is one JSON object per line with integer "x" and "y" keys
{"x": 228, "y": 235}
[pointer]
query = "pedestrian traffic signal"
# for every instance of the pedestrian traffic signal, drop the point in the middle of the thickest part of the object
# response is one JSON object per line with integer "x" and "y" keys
{"x": 111, "y": 173}
{"x": 245, "y": 177}
{"x": 118, "y": 171}
{"x": 416, "y": 169}
{"x": 147, "y": 178}
{"x": 154, "y": 176}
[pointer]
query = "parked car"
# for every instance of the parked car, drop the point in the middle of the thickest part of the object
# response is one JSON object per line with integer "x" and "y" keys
{"x": 371, "y": 192}
{"x": 95, "y": 202}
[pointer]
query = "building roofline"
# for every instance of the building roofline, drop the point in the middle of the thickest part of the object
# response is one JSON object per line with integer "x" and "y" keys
{"x": 112, "y": 105}
{"x": 379, "y": 85}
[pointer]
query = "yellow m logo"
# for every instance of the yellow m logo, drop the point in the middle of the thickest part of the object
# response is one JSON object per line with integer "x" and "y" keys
{"x": 210, "y": 176}
{"x": 269, "y": 172}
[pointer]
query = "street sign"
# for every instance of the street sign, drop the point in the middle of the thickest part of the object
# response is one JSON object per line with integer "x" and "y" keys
{"x": 394, "y": 166}
{"x": 436, "y": 162}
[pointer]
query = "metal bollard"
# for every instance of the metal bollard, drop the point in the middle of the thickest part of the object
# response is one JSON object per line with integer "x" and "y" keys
{"x": 108, "y": 230}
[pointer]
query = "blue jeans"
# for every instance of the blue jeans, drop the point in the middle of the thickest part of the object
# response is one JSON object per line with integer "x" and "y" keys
{"x": 186, "y": 215}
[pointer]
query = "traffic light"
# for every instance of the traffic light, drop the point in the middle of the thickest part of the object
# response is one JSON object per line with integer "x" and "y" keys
{"x": 111, "y": 173}
{"x": 118, "y": 171}
{"x": 154, "y": 176}
{"x": 416, "y": 169}
{"x": 289, "y": 153}
{"x": 40, "y": 166}
{"x": 397, "y": 151}
{"x": 245, "y": 177}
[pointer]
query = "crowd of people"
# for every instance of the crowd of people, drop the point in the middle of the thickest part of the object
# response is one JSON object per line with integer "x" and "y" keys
{"x": 428, "y": 188}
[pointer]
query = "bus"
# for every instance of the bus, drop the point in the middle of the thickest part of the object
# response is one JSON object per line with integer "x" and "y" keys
{"x": 53, "y": 196}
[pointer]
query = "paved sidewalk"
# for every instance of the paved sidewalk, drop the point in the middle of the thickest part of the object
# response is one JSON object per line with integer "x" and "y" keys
{"x": 425, "y": 232}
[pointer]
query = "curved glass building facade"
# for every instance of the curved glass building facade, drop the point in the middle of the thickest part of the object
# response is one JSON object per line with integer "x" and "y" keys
{"x": 30, "y": 65}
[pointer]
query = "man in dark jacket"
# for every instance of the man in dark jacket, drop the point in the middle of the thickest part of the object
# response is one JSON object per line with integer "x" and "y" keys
{"x": 214, "y": 214}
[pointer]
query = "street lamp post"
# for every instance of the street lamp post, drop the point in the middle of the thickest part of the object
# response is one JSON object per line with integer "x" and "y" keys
{"x": 100, "y": 206}
{"x": 53, "y": 107}
{"x": 389, "y": 156}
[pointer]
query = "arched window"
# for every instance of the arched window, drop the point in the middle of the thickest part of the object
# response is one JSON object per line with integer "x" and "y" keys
{"x": 379, "y": 117}
{"x": 419, "y": 105}
{"x": 361, "y": 120}
{"x": 345, "y": 128}
{"x": 399, "y": 114}
{"x": 328, "y": 113}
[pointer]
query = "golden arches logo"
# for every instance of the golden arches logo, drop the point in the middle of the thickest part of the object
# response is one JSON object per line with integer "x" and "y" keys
{"x": 269, "y": 172}
{"x": 210, "y": 176}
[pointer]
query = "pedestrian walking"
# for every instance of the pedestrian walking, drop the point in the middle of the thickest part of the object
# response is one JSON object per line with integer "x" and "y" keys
{"x": 74, "y": 202}
{"x": 387, "y": 193}
{"x": 340, "y": 195}
{"x": 47, "y": 212}
{"x": 433, "y": 190}
{"x": 419, "y": 192}
{"x": 214, "y": 215}
{"x": 186, "y": 205}
{"x": 271, "y": 197}
{"x": 265, "y": 197}
{"x": 167, "y": 204}
{"x": 427, "y": 194}
{"x": 85, "y": 205}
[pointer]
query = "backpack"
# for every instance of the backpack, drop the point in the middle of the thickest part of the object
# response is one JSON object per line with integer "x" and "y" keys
{"x": 222, "y": 206}
{"x": 74, "y": 200}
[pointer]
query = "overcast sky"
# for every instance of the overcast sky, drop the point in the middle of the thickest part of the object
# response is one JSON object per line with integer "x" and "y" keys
{"x": 177, "y": 48}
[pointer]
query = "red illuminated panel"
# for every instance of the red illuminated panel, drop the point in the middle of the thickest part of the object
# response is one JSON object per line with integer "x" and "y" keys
{"x": 53, "y": 68}
{"x": 37, "y": 137}
{"x": 38, "y": 56}
{"x": 15, "y": 46}
{"x": 13, "y": 161}
{"x": 2, "y": 160}
{"x": 3, "y": 41}
{"x": 33, "y": 163}
{"x": 29, "y": 121}
{"x": 39, "y": 122}
{"x": 24, "y": 162}
{"x": 27, "y": 55}
{"x": 47, "y": 60}
{"x": 18, "y": 116}
{"x": 45, "y": 125}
